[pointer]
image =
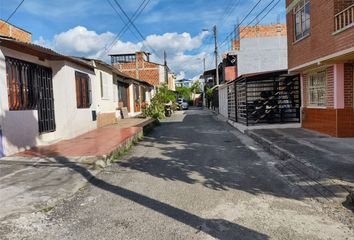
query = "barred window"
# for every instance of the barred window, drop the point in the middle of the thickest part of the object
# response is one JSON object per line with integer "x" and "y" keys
{"x": 83, "y": 90}
{"x": 302, "y": 19}
{"x": 22, "y": 83}
{"x": 318, "y": 88}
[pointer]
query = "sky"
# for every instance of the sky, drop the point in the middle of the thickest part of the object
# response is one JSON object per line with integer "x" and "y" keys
{"x": 182, "y": 28}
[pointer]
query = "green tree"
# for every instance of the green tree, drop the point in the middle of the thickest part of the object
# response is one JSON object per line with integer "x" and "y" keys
{"x": 184, "y": 92}
{"x": 156, "y": 108}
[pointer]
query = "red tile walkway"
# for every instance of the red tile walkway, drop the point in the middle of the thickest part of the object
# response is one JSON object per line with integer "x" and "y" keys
{"x": 98, "y": 142}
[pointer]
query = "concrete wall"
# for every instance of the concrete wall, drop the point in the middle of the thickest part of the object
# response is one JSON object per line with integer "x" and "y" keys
{"x": 20, "y": 128}
{"x": 262, "y": 54}
{"x": 223, "y": 103}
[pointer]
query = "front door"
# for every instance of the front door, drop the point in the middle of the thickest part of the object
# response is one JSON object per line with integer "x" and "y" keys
{"x": 46, "y": 117}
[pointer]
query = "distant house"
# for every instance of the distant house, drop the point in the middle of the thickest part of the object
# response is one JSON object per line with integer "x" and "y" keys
{"x": 138, "y": 66}
{"x": 321, "y": 50}
{"x": 184, "y": 83}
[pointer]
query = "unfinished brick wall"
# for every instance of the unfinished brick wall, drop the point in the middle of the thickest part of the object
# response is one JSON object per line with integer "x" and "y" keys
{"x": 321, "y": 42}
{"x": 259, "y": 31}
{"x": 141, "y": 69}
{"x": 12, "y": 31}
{"x": 263, "y": 31}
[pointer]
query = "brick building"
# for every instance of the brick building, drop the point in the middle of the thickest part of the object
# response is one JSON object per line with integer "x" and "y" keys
{"x": 321, "y": 49}
{"x": 137, "y": 65}
{"x": 9, "y": 30}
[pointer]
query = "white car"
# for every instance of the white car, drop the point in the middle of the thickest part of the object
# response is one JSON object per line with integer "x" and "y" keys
{"x": 182, "y": 104}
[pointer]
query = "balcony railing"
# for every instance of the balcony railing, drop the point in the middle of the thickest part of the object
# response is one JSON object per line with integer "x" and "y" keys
{"x": 344, "y": 19}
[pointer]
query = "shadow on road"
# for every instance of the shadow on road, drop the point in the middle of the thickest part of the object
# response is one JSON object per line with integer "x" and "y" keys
{"x": 199, "y": 144}
{"x": 217, "y": 228}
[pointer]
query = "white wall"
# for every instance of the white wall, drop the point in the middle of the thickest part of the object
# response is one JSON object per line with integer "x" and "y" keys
{"x": 223, "y": 102}
{"x": 262, "y": 54}
{"x": 108, "y": 103}
{"x": 162, "y": 74}
{"x": 20, "y": 128}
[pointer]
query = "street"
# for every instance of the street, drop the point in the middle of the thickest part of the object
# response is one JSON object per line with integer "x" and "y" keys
{"x": 193, "y": 177}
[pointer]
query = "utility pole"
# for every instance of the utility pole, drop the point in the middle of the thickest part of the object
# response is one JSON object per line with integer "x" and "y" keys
{"x": 216, "y": 55}
{"x": 166, "y": 68}
{"x": 204, "y": 97}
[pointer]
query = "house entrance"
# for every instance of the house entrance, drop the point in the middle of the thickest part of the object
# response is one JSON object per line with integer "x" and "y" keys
{"x": 46, "y": 117}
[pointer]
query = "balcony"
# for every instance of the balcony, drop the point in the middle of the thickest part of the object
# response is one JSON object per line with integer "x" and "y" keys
{"x": 344, "y": 19}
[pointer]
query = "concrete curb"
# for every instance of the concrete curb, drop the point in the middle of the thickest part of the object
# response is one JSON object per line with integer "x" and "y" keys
{"x": 103, "y": 161}
{"x": 330, "y": 186}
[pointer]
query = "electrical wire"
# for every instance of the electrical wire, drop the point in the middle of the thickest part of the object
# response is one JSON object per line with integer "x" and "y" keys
{"x": 12, "y": 14}
{"x": 136, "y": 29}
{"x": 126, "y": 26}
{"x": 249, "y": 13}
{"x": 263, "y": 16}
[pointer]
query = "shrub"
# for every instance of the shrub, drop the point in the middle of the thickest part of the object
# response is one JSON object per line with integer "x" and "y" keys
{"x": 156, "y": 108}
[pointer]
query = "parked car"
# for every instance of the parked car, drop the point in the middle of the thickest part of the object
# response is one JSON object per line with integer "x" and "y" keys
{"x": 182, "y": 104}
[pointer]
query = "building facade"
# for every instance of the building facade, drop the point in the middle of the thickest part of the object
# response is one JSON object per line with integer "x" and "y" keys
{"x": 260, "y": 49}
{"x": 138, "y": 66}
{"x": 321, "y": 49}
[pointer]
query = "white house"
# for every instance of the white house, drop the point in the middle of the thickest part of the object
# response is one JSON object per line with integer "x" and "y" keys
{"x": 44, "y": 96}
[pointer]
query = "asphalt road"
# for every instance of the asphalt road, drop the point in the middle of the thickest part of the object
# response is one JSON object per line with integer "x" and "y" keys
{"x": 194, "y": 177}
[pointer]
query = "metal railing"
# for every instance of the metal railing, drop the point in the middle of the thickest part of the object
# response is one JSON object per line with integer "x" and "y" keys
{"x": 344, "y": 19}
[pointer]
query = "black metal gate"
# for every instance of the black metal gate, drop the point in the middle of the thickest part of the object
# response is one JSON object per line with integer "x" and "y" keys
{"x": 231, "y": 97}
{"x": 271, "y": 100}
{"x": 46, "y": 117}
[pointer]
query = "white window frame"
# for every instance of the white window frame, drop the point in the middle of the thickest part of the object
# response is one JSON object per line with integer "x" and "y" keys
{"x": 317, "y": 89}
{"x": 104, "y": 86}
{"x": 301, "y": 20}
{"x": 115, "y": 91}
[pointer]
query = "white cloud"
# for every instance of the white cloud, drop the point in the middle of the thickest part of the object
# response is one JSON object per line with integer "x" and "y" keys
{"x": 79, "y": 41}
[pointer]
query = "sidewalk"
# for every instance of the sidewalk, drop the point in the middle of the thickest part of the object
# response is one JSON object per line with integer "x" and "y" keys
{"x": 39, "y": 178}
{"x": 317, "y": 162}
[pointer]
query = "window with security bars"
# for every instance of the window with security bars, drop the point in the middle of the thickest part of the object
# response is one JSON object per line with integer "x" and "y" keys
{"x": 83, "y": 90}
{"x": 302, "y": 19}
{"x": 21, "y": 84}
{"x": 318, "y": 89}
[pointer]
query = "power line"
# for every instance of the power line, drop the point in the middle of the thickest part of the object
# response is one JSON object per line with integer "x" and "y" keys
{"x": 253, "y": 8}
{"x": 11, "y": 15}
{"x": 136, "y": 29}
{"x": 122, "y": 19}
{"x": 136, "y": 14}
{"x": 256, "y": 17}
{"x": 265, "y": 14}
